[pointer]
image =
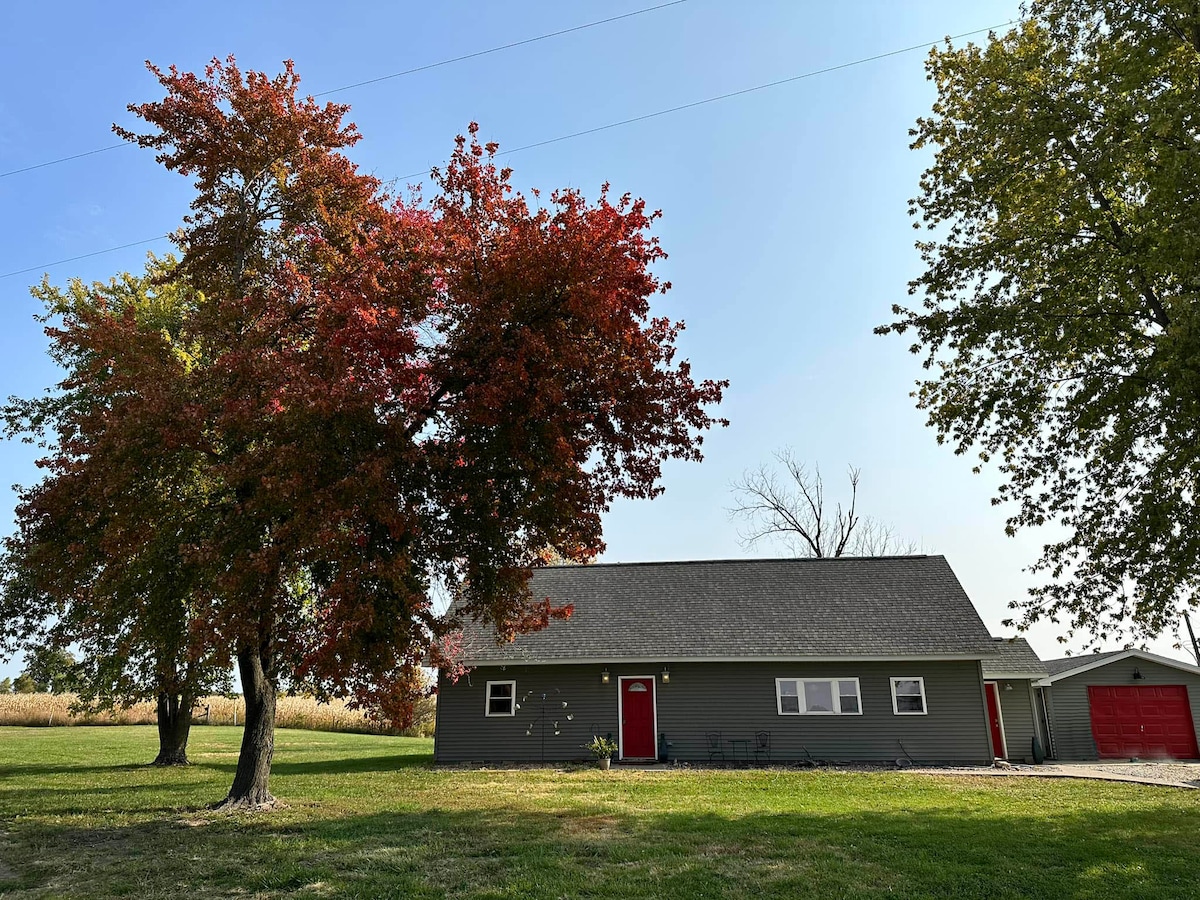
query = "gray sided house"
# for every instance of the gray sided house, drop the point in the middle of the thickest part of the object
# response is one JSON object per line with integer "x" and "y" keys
{"x": 850, "y": 659}
{"x": 1120, "y": 705}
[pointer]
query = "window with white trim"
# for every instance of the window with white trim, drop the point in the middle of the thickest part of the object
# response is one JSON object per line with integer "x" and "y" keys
{"x": 501, "y": 698}
{"x": 818, "y": 697}
{"x": 908, "y": 697}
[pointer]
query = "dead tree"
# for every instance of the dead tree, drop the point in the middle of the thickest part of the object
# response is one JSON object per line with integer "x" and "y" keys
{"x": 791, "y": 509}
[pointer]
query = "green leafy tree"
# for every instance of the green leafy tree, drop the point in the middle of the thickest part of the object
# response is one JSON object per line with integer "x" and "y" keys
{"x": 5, "y": 685}
{"x": 55, "y": 670}
{"x": 24, "y": 684}
{"x": 1060, "y": 314}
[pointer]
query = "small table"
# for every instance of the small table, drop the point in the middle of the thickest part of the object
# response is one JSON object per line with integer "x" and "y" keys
{"x": 734, "y": 743}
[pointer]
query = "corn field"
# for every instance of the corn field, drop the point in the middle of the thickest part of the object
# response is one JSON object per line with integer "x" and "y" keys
{"x": 291, "y": 712}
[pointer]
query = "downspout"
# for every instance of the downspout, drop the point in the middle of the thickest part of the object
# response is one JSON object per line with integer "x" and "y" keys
{"x": 987, "y": 724}
{"x": 1050, "y": 747}
{"x": 1039, "y": 732}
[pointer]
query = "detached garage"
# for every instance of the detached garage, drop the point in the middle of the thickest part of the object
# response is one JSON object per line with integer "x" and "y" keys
{"x": 1121, "y": 705}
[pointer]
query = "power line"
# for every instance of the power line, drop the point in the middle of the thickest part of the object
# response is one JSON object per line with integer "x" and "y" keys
{"x": 532, "y": 40}
{"x": 739, "y": 93}
{"x": 60, "y": 262}
{"x": 63, "y": 159}
{"x": 566, "y": 137}
{"x": 413, "y": 71}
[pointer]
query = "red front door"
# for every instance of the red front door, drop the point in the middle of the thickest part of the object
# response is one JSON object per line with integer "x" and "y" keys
{"x": 993, "y": 705}
{"x": 1147, "y": 721}
{"x": 637, "y": 718}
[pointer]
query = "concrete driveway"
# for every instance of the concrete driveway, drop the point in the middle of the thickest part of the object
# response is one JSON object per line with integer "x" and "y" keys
{"x": 1166, "y": 774}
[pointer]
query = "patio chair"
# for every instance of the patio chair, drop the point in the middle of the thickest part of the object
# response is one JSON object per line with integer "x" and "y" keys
{"x": 715, "y": 748}
{"x": 762, "y": 745}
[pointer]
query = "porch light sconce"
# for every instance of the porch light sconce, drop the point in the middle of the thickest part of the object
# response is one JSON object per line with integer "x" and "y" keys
{"x": 1137, "y": 674}
{"x": 604, "y": 677}
{"x": 1008, "y": 685}
{"x": 666, "y": 675}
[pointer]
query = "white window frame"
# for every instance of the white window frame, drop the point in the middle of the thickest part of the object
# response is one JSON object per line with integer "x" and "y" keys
{"x": 487, "y": 699}
{"x": 837, "y": 697}
{"x": 920, "y": 680}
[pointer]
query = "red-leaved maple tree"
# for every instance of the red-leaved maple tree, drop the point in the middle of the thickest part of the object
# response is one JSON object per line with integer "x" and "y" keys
{"x": 378, "y": 401}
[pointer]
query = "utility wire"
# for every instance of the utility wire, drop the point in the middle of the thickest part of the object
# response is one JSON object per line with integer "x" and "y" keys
{"x": 532, "y": 40}
{"x": 740, "y": 93}
{"x": 60, "y": 262}
{"x": 358, "y": 84}
{"x": 662, "y": 112}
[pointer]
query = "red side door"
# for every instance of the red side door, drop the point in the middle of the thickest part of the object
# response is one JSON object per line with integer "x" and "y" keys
{"x": 637, "y": 718}
{"x": 993, "y": 706}
{"x": 1147, "y": 721}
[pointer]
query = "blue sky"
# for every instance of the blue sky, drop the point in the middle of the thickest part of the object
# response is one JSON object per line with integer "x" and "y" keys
{"x": 785, "y": 209}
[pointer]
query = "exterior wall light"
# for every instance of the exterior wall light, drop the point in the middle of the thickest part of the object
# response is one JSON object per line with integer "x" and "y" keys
{"x": 1137, "y": 674}
{"x": 604, "y": 677}
{"x": 1008, "y": 685}
{"x": 666, "y": 675}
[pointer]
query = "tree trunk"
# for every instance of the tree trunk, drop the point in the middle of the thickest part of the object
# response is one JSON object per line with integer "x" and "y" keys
{"x": 251, "y": 788}
{"x": 174, "y": 725}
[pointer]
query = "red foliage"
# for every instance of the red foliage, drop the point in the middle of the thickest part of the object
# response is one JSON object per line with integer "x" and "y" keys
{"x": 384, "y": 399}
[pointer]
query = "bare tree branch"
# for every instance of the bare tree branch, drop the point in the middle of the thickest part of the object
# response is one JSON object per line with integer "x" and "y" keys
{"x": 791, "y": 510}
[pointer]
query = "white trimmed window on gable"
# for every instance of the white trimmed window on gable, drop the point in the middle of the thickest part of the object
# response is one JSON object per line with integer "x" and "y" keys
{"x": 501, "y": 698}
{"x": 818, "y": 697}
{"x": 908, "y": 696}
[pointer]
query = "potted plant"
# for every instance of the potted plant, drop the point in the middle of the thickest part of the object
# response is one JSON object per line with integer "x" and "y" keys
{"x": 602, "y": 750}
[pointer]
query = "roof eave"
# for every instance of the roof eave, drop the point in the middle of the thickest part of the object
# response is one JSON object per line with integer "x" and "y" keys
{"x": 1128, "y": 654}
{"x": 620, "y": 660}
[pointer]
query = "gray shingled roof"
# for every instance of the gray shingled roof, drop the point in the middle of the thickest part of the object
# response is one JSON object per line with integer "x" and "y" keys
{"x": 878, "y": 607}
{"x": 1016, "y": 660}
{"x": 1055, "y": 666}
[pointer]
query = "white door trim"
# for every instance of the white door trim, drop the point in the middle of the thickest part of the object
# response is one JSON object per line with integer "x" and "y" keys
{"x": 621, "y": 679}
{"x": 1003, "y": 754}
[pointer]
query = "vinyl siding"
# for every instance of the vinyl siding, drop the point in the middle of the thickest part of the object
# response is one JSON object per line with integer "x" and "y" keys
{"x": 1070, "y": 714}
{"x": 1016, "y": 710}
{"x": 736, "y": 699}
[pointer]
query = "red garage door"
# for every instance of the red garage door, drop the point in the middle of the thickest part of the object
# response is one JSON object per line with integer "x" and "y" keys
{"x": 1151, "y": 722}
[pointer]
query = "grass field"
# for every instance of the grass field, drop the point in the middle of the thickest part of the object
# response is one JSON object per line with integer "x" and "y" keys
{"x": 369, "y": 817}
{"x": 52, "y": 710}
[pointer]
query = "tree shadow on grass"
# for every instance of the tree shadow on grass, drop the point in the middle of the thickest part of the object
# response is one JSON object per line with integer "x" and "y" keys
{"x": 615, "y": 853}
{"x": 22, "y": 770}
{"x": 284, "y": 766}
{"x": 351, "y": 765}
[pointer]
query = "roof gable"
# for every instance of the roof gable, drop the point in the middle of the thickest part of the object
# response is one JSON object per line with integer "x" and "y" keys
{"x": 860, "y": 607}
{"x": 1071, "y": 666}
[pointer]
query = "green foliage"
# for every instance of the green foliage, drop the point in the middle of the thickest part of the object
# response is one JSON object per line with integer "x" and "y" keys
{"x": 54, "y": 670}
{"x": 1060, "y": 318}
{"x": 5, "y": 685}
{"x": 601, "y": 748}
{"x": 24, "y": 684}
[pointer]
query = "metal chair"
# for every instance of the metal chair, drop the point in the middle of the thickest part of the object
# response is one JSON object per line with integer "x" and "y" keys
{"x": 762, "y": 745}
{"x": 715, "y": 748}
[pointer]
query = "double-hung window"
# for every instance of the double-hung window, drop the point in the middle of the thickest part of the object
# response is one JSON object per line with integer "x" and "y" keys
{"x": 818, "y": 697}
{"x": 501, "y": 698}
{"x": 908, "y": 697}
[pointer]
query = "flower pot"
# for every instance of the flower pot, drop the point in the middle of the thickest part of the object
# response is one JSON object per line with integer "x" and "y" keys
{"x": 604, "y": 763}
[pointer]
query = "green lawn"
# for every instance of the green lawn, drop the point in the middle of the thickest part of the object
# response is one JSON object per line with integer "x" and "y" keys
{"x": 369, "y": 817}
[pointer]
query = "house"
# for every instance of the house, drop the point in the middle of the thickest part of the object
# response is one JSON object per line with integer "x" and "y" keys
{"x": 1120, "y": 705}
{"x": 847, "y": 659}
